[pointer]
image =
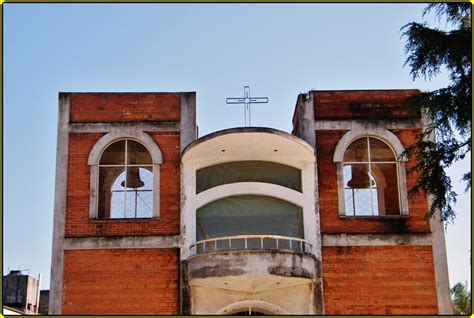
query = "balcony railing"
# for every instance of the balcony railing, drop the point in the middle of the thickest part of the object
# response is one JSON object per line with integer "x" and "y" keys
{"x": 252, "y": 242}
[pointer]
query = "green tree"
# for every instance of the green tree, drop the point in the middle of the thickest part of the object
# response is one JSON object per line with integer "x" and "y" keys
{"x": 429, "y": 52}
{"x": 461, "y": 299}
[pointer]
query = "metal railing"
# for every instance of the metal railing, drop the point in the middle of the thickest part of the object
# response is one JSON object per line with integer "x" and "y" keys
{"x": 254, "y": 242}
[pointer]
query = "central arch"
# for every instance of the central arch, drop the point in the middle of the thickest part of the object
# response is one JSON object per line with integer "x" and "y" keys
{"x": 258, "y": 306}
{"x": 247, "y": 150}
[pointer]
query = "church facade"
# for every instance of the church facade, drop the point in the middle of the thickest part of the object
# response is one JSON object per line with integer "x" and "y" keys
{"x": 151, "y": 219}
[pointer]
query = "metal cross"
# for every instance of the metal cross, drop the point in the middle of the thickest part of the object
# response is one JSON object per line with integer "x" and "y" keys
{"x": 247, "y": 100}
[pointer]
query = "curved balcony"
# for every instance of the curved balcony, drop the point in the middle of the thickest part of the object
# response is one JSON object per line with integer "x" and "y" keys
{"x": 252, "y": 242}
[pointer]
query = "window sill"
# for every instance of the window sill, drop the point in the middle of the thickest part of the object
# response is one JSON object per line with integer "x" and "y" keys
{"x": 375, "y": 217}
{"x": 96, "y": 220}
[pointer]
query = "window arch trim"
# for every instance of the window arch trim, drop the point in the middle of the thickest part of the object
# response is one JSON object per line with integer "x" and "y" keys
{"x": 249, "y": 188}
{"x": 265, "y": 307}
{"x": 380, "y": 133}
{"x": 109, "y": 138}
{"x": 392, "y": 141}
{"x": 94, "y": 158}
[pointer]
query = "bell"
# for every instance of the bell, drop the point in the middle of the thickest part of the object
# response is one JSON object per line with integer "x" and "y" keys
{"x": 360, "y": 177}
{"x": 133, "y": 178}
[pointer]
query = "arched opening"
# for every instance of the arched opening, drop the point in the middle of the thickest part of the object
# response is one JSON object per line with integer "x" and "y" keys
{"x": 370, "y": 178}
{"x": 252, "y": 308}
{"x": 248, "y": 171}
{"x": 125, "y": 181}
{"x": 249, "y": 222}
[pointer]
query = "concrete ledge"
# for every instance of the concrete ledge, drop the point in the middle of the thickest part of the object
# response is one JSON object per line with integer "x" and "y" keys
{"x": 88, "y": 243}
{"x": 107, "y": 127}
{"x": 224, "y": 282}
{"x": 377, "y": 239}
{"x": 349, "y": 124}
{"x": 252, "y": 263}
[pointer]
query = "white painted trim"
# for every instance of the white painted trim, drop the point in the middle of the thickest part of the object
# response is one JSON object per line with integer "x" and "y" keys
{"x": 265, "y": 307}
{"x": 243, "y": 188}
{"x": 215, "y": 161}
{"x": 377, "y": 239}
{"x": 140, "y": 136}
{"x": 362, "y": 131}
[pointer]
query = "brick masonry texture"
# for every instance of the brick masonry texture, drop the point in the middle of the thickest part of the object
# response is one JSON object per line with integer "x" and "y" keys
{"x": 121, "y": 281}
{"x": 124, "y": 107}
{"x": 78, "y": 223}
{"x": 384, "y": 104}
{"x": 379, "y": 280}
{"x": 331, "y": 222}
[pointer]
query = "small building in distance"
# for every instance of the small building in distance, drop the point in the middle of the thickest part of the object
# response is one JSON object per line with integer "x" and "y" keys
{"x": 44, "y": 302}
{"x": 21, "y": 292}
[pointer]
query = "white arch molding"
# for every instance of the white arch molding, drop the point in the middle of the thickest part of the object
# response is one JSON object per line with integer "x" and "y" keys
{"x": 113, "y": 136}
{"x": 392, "y": 141}
{"x": 244, "y": 144}
{"x": 248, "y": 188}
{"x": 140, "y": 136}
{"x": 380, "y": 133}
{"x": 258, "y": 305}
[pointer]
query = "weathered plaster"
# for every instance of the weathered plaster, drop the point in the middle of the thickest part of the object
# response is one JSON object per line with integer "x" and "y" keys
{"x": 349, "y": 124}
{"x": 57, "y": 259}
{"x": 252, "y": 263}
{"x": 140, "y": 126}
{"x": 305, "y": 106}
{"x": 377, "y": 239}
{"x": 439, "y": 251}
{"x": 188, "y": 119}
{"x": 282, "y": 298}
{"x": 127, "y": 242}
{"x": 221, "y": 281}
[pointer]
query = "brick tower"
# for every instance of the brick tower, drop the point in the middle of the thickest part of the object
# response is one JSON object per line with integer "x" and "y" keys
{"x": 119, "y": 264}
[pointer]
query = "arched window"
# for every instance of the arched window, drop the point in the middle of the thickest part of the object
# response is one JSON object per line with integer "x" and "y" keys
{"x": 371, "y": 174}
{"x": 125, "y": 181}
{"x": 248, "y": 171}
{"x": 370, "y": 179}
{"x": 125, "y": 176}
{"x": 249, "y": 215}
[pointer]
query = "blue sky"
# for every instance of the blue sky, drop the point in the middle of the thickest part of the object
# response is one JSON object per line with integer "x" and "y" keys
{"x": 279, "y": 50}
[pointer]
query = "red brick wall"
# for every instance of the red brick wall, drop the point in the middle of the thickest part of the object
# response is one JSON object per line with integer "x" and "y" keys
{"x": 379, "y": 280}
{"x": 78, "y": 222}
{"x": 380, "y": 104}
{"x": 331, "y": 222}
{"x": 121, "y": 281}
{"x": 124, "y": 107}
